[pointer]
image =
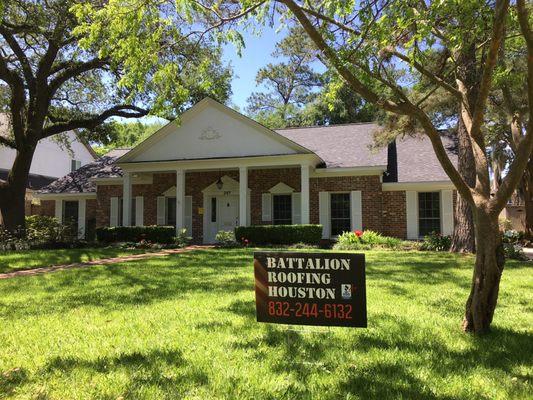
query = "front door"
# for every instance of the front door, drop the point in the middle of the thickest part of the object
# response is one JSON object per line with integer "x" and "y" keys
{"x": 222, "y": 214}
{"x": 228, "y": 212}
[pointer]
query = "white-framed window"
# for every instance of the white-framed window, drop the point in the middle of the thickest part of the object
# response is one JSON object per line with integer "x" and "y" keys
{"x": 429, "y": 213}
{"x": 120, "y": 215}
{"x": 75, "y": 165}
{"x": 282, "y": 209}
{"x": 70, "y": 213}
{"x": 340, "y": 210}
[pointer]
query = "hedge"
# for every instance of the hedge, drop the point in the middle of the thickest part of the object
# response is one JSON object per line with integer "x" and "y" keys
{"x": 279, "y": 234}
{"x": 156, "y": 234}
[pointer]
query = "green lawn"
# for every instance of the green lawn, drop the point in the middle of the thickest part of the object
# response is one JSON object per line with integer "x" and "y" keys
{"x": 19, "y": 260}
{"x": 184, "y": 326}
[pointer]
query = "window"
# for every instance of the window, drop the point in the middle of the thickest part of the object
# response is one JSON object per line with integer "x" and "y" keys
{"x": 70, "y": 214}
{"x": 340, "y": 213}
{"x": 133, "y": 212}
{"x": 213, "y": 209}
{"x": 282, "y": 209}
{"x": 428, "y": 213}
{"x": 74, "y": 165}
{"x": 171, "y": 211}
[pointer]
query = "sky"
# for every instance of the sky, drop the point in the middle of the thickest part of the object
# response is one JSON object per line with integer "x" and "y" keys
{"x": 255, "y": 55}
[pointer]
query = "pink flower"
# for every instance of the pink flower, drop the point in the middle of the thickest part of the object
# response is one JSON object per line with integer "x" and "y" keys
{"x": 358, "y": 233}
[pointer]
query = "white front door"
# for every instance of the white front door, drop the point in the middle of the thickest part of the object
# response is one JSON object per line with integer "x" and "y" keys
{"x": 228, "y": 212}
{"x": 222, "y": 214}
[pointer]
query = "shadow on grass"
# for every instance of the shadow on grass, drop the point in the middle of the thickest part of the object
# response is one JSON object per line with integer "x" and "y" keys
{"x": 166, "y": 370}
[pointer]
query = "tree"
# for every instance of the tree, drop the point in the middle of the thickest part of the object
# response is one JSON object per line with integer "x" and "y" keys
{"x": 67, "y": 65}
{"x": 376, "y": 46}
{"x": 289, "y": 83}
{"x": 336, "y": 103}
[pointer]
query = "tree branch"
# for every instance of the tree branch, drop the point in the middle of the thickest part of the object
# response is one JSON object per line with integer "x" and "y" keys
{"x": 123, "y": 111}
{"x": 21, "y": 57}
{"x": 75, "y": 69}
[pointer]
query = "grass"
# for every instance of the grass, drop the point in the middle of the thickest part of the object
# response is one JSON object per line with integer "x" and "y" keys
{"x": 184, "y": 326}
{"x": 20, "y": 260}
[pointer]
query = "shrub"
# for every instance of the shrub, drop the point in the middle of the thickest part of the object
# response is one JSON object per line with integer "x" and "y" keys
{"x": 226, "y": 239}
{"x": 514, "y": 252}
{"x": 279, "y": 234}
{"x": 358, "y": 240}
{"x": 182, "y": 239}
{"x": 436, "y": 242}
{"x": 43, "y": 229}
{"x": 156, "y": 234}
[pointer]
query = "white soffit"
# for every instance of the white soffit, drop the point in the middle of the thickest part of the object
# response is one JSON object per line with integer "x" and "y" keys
{"x": 211, "y": 130}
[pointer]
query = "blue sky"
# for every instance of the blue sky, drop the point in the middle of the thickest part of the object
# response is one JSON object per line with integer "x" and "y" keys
{"x": 255, "y": 55}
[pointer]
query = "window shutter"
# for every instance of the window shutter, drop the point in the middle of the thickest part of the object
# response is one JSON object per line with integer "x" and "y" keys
{"x": 296, "y": 208}
{"x": 188, "y": 215}
{"x": 139, "y": 211}
{"x": 161, "y": 210}
{"x": 323, "y": 208}
{"x": 113, "y": 214}
{"x": 266, "y": 206}
{"x": 411, "y": 200}
{"x": 78, "y": 165}
{"x": 447, "y": 212}
{"x": 59, "y": 211}
{"x": 356, "y": 210}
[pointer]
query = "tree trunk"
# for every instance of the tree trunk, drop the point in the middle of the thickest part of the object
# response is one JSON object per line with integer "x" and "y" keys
{"x": 13, "y": 191}
{"x": 488, "y": 270}
{"x": 463, "y": 238}
{"x": 527, "y": 185}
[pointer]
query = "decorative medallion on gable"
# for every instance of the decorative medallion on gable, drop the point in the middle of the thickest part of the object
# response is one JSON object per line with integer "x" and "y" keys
{"x": 210, "y": 133}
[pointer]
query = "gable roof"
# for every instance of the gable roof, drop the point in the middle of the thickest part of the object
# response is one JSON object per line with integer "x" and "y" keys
{"x": 35, "y": 181}
{"x": 80, "y": 181}
{"x": 277, "y": 144}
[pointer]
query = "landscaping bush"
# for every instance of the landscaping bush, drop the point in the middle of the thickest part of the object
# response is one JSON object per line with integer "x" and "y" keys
{"x": 365, "y": 240}
{"x": 514, "y": 251}
{"x": 436, "y": 242}
{"x": 155, "y": 234}
{"x": 226, "y": 239}
{"x": 279, "y": 234}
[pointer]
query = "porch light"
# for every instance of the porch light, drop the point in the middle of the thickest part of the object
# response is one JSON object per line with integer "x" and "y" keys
{"x": 219, "y": 184}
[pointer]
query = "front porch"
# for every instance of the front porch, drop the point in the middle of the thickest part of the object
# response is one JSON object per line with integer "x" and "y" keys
{"x": 205, "y": 201}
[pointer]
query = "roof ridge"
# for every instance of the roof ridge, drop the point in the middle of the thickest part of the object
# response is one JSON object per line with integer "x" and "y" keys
{"x": 325, "y": 126}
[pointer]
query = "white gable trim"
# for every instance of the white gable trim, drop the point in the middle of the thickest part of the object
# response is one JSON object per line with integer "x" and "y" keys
{"x": 281, "y": 188}
{"x": 191, "y": 113}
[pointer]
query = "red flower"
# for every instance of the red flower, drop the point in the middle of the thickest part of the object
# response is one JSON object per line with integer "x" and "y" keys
{"x": 358, "y": 233}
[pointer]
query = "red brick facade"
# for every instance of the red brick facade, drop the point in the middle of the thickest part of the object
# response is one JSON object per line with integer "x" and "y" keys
{"x": 383, "y": 211}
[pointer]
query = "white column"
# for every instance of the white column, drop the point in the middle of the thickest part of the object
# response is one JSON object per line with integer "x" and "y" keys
{"x": 304, "y": 209}
{"x": 81, "y": 218}
{"x": 243, "y": 196}
{"x": 59, "y": 211}
{"x": 126, "y": 199}
{"x": 180, "y": 199}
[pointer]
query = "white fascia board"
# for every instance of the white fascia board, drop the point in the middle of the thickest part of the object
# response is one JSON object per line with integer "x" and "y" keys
{"x": 223, "y": 163}
{"x": 348, "y": 171}
{"x": 418, "y": 186}
{"x": 64, "y": 196}
{"x": 119, "y": 180}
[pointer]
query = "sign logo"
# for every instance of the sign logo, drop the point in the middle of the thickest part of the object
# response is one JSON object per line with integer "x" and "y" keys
{"x": 346, "y": 291}
{"x": 310, "y": 288}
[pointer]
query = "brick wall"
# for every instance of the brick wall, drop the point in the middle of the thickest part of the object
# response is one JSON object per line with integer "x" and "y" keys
{"x": 371, "y": 196}
{"x": 394, "y": 214}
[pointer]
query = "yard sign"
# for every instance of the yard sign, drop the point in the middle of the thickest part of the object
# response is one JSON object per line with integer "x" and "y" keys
{"x": 326, "y": 289}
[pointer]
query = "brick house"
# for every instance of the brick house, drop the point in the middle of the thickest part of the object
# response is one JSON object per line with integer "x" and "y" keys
{"x": 217, "y": 169}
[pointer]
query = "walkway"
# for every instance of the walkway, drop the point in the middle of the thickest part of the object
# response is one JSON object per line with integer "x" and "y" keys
{"x": 103, "y": 261}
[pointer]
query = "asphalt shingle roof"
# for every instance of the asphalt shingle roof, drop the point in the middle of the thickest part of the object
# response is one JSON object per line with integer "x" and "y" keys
{"x": 79, "y": 181}
{"x": 338, "y": 145}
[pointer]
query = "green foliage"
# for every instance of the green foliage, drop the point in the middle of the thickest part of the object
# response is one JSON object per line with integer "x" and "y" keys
{"x": 279, "y": 234}
{"x": 226, "y": 239}
{"x": 41, "y": 232}
{"x": 514, "y": 251}
{"x": 183, "y": 238}
{"x": 125, "y": 134}
{"x": 366, "y": 240}
{"x": 436, "y": 242}
{"x": 155, "y": 234}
